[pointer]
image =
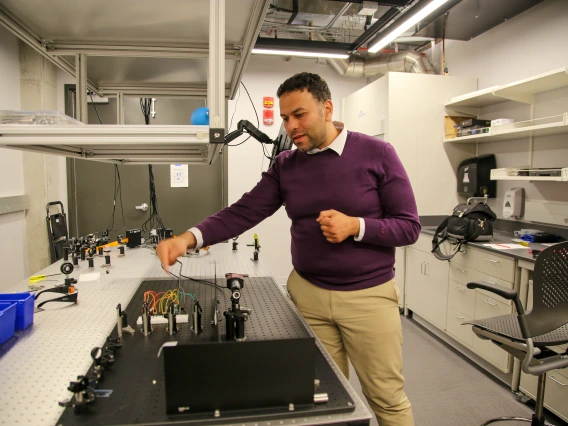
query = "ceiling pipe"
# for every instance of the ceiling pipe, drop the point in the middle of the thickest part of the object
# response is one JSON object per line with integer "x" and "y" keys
{"x": 407, "y": 61}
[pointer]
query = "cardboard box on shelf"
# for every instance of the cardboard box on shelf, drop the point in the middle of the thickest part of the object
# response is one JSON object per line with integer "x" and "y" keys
{"x": 451, "y": 123}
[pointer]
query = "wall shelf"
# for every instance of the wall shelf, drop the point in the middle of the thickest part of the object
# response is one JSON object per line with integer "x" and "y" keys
{"x": 512, "y": 174}
{"x": 520, "y": 91}
{"x": 554, "y": 125}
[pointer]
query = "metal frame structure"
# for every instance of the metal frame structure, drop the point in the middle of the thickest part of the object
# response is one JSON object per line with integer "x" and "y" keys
{"x": 125, "y": 144}
{"x": 137, "y": 144}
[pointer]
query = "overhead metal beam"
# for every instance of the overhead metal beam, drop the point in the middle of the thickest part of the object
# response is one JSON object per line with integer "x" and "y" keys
{"x": 382, "y": 27}
{"x": 294, "y": 12}
{"x": 156, "y": 89}
{"x": 302, "y": 45}
{"x": 395, "y": 3}
{"x": 257, "y": 18}
{"x": 178, "y": 52}
{"x": 374, "y": 29}
{"x": 17, "y": 28}
{"x": 165, "y": 155}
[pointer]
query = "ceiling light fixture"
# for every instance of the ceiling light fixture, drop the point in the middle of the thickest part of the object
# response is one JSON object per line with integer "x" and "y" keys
{"x": 299, "y": 53}
{"x": 413, "y": 20}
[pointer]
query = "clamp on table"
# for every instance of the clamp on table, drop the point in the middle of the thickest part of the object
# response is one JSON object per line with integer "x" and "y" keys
{"x": 67, "y": 288}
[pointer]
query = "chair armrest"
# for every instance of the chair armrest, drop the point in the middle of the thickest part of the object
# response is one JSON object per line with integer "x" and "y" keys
{"x": 504, "y": 292}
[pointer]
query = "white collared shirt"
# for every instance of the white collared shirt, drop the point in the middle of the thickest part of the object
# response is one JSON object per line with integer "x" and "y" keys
{"x": 338, "y": 144}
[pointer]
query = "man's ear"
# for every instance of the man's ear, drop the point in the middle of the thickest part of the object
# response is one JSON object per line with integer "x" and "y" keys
{"x": 328, "y": 110}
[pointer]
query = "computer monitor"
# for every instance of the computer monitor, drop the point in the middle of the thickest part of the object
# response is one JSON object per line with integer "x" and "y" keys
{"x": 282, "y": 142}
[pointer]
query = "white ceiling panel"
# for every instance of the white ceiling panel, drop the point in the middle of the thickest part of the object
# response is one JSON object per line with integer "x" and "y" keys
{"x": 139, "y": 21}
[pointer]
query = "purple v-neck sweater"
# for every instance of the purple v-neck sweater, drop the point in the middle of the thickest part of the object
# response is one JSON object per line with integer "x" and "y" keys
{"x": 367, "y": 180}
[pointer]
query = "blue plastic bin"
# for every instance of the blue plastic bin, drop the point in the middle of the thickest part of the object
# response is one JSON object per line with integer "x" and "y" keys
{"x": 24, "y": 309}
{"x": 7, "y": 321}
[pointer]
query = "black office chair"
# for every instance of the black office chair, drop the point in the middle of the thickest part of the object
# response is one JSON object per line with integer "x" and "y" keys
{"x": 527, "y": 335}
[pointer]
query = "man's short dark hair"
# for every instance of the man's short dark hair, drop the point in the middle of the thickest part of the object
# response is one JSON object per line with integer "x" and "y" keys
{"x": 313, "y": 83}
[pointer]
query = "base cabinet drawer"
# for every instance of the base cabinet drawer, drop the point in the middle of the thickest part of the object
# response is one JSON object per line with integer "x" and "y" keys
{"x": 493, "y": 354}
{"x": 460, "y": 332}
{"x": 487, "y": 307}
{"x": 490, "y": 306}
{"x": 483, "y": 260}
{"x": 555, "y": 390}
{"x": 461, "y": 298}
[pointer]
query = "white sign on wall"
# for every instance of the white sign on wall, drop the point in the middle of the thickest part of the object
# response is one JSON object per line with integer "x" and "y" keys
{"x": 178, "y": 175}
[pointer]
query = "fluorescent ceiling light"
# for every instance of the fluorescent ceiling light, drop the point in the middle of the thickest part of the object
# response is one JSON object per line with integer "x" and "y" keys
{"x": 410, "y": 22}
{"x": 299, "y": 53}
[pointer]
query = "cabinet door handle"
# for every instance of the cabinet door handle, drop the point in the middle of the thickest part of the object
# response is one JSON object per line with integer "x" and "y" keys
{"x": 489, "y": 303}
{"x": 490, "y": 282}
{"x": 422, "y": 268}
{"x": 560, "y": 383}
{"x": 460, "y": 289}
{"x": 427, "y": 268}
{"x": 492, "y": 261}
{"x": 462, "y": 318}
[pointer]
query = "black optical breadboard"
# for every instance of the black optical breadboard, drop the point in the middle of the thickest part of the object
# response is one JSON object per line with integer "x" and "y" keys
{"x": 136, "y": 379}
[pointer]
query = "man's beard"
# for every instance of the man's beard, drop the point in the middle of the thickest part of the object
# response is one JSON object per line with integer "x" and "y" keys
{"x": 316, "y": 140}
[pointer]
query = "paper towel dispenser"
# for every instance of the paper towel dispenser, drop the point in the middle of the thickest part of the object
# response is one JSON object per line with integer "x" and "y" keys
{"x": 474, "y": 177}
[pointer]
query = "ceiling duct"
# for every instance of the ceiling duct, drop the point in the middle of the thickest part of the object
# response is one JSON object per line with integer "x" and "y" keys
{"x": 407, "y": 61}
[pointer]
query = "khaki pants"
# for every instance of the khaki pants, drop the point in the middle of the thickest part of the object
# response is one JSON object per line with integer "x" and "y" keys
{"x": 364, "y": 327}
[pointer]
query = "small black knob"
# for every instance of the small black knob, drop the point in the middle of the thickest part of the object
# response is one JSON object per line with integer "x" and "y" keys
{"x": 91, "y": 262}
{"x": 107, "y": 259}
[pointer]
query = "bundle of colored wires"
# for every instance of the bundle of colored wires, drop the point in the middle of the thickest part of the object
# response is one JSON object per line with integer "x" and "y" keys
{"x": 158, "y": 302}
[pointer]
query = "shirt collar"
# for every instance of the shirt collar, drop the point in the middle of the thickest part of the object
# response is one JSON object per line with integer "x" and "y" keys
{"x": 338, "y": 144}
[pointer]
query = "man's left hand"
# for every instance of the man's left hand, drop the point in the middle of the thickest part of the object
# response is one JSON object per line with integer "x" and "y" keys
{"x": 337, "y": 226}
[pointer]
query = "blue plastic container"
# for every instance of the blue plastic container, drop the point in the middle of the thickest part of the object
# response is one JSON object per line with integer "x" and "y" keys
{"x": 7, "y": 321}
{"x": 24, "y": 308}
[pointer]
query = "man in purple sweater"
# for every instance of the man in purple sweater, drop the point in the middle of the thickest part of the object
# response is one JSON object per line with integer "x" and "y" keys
{"x": 351, "y": 204}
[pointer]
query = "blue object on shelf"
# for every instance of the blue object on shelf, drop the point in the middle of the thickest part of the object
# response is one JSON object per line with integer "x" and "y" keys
{"x": 7, "y": 321}
{"x": 200, "y": 117}
{"x": 24, "y": 308}
{"x": 541, "y": 237}
{"x": 528, "y": 237}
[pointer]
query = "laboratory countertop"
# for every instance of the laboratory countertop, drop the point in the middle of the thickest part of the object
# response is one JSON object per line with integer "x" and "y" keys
{"x": 499, "y": 237}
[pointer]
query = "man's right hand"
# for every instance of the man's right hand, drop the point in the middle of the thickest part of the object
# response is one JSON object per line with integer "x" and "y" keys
{"x": 169, "y": 250}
